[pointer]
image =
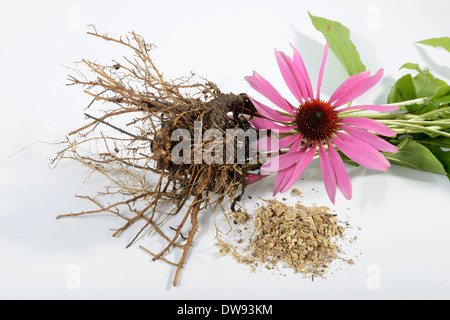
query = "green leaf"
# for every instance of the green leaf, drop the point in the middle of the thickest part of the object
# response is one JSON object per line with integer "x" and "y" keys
{"x": 403, "y": 90}
{"x": 443, "y": 42}
{"x": 423, "y": 85}
{"x": 445, "y": 100}
{"x": 412, "y": 66}
{"x": 443, "y": 156}
{"x": 426, "y": 85}
{"x": 440, "y": 141}
{"x": 338, "y": 37}
{"x": 414, "y": 155}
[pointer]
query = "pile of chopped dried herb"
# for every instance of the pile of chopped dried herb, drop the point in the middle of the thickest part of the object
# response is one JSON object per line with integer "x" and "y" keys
{"x": 300, "y": 238}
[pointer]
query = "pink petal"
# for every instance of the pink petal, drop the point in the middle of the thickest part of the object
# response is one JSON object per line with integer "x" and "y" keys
{"x": 269, "y": 112}
{"x": 371, "y": 107}
{"x": 369, "y": 138}
{"x": 266, "y": 124}
{"x": 324, "y": 59}
{"x": 363, "y": 146}
{"x": 342, "y": 178}
{"x": 284, "y": 63}
{"x": 300, "y": 167}
{"x": 252, "y": 178}
{"x": 299, "y": 76}
{"x": 369, "y": 124}
{"x": 349, "y": 83}
{"x": 284, "y": 175}
{"x": 281, "y": 175}
{"x": 358, "y": 88}
{"x": 359, "y": 154}
{"x": 298, "y": 61}
{"x": 281, "y": 162}
{"x": 329, "y": 177}
{"x": 266, "y": 89}
{"x": 271, "y": 143}
{"x": 297, "y": 144}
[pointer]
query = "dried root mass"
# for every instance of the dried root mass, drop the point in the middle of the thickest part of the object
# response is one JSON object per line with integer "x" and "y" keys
{"x": 130, "y": 145}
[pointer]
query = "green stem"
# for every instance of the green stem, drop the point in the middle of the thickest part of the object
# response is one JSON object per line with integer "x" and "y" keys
{"x": 392, "y": 116}
{"x": 408, "y": 103}
{"x": 420, "y": 128}
{"x": 442, "y": 124}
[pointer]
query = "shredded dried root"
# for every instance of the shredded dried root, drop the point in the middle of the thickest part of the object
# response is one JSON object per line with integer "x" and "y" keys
{"x": 303, "y": 239}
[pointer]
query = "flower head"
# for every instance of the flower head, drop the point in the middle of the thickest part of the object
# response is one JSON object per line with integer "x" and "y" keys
{"x": 313, "y": 124}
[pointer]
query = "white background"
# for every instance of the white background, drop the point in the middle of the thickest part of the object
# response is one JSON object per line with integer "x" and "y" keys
{"x": 403, "y": 214}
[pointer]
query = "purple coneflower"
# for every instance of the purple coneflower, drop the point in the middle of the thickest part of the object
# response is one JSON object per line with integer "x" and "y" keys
{"x": 317, "y": 124}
